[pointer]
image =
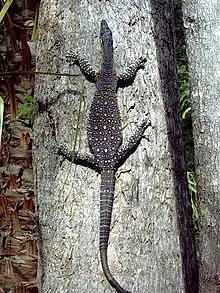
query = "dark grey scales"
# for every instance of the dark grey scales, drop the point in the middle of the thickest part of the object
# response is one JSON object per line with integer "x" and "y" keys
{"x": 105, "y": 135}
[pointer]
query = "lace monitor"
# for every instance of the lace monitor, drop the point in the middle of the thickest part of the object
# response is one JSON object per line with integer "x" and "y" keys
{"x": 105, "y": 135}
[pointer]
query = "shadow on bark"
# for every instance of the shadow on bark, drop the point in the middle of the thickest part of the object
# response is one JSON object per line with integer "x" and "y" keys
{"x": 165, "y": 49}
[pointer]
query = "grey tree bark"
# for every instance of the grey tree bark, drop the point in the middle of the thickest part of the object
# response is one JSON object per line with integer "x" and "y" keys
{"x": 151, "y": 247}
{"x": 202, "y": 22}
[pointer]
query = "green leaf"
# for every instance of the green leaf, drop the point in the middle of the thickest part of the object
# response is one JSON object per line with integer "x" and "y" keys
{"x": 5, "y": 9}
{"x": 26, "y": 111}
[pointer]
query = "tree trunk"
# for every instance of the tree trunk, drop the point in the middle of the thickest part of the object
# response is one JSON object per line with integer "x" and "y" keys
{"x": 202, "y": 22}
{"x": 151, "y": 245}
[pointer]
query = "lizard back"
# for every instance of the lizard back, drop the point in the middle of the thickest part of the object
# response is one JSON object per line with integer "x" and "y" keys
{"x": 104, "y": 125}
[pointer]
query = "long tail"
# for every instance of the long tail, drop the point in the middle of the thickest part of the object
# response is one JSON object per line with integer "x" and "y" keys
{"x": 106, "y": 204}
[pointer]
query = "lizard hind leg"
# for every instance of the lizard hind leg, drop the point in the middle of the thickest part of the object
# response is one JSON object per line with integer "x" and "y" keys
{"x": 108, "y": 275}
{"x": 134, "y": 139}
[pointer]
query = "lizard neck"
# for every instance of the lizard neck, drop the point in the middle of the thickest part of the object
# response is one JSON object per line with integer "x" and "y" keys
{"x": 108, "y": 62}
{"x": 108, "y": 76}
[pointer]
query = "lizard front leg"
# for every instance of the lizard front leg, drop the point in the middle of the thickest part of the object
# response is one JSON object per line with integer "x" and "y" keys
{"x": 84, "y": 159}
{"x": 131, "y": 70}
{"x": 133, "y": 141}
{"x": 83, "y": 64}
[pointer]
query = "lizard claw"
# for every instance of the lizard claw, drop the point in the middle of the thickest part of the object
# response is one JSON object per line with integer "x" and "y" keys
{"x": 146, "y": 122}
{"x": 142, "y": 60}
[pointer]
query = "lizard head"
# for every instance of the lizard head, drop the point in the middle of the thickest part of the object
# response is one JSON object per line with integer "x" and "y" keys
{"x": 106, "y": 35}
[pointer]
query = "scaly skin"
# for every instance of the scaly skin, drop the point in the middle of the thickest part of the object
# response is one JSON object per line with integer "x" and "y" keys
{"x": 105, "y": 136}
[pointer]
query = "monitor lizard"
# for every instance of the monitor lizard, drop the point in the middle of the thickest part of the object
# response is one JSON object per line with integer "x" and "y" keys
{"x": 105, "y": 135}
